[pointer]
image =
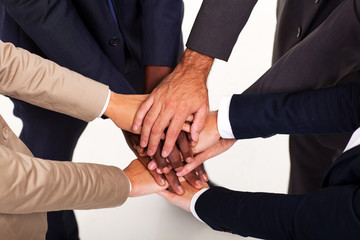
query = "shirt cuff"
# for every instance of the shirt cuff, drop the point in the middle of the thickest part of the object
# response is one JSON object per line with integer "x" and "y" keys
{"x": 224, "y": 126}
{"x": 354, "y": 140}
{"x": 106, "y": 105}
{"x": 193, "y": 202}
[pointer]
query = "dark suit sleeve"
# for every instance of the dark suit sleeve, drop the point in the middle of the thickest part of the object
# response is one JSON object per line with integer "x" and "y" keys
{"x": 161, "y": 35}
{"x": 58, "y": 31}
{"x": 218, "y": 25}
{"x": 331, "y": 213}
{"x": 324, "y": 111}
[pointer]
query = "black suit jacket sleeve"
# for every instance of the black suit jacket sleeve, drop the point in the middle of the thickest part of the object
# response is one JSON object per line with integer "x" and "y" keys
{"x": 218, "y": 25}
{"x": 59, "y": 32}
{"x": 162, "y": 37}
{"x": 330, "y": 213}
{"x": 323, "y": 111}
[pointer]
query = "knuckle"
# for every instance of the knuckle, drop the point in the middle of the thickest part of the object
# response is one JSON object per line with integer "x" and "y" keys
{"x": 156, "y": 129}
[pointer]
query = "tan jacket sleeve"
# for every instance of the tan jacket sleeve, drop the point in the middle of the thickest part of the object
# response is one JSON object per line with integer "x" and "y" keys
{"x": 30, "y": 78}
{"x": 30, "y": 184}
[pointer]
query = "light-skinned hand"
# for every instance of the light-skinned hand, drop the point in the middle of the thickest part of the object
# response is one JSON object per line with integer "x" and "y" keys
{"x": 178, "y": 96}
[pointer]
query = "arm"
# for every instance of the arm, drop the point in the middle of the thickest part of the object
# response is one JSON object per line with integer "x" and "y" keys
{"x": 330, "y": 213}
{"x": 331, "y": 110}
{"x": 34, "y": 185}
{"x": 161, "y": 32}
{"x": 324, "y": 111}
{"x": 184, "y": 92}
{"x": 57, "y": 29}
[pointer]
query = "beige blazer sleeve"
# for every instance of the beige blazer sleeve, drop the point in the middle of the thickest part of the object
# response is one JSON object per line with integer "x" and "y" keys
{"x": 30, "y": 78}
{"x": 29, "y": 184}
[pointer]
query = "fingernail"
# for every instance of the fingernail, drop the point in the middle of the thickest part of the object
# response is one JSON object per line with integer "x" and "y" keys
{"x": 179, "y": 174}
{"x": 135, "y": 127}
{"x": 205, "y": 177}
{"x": 162, "y": 181}
{"x": 188, "y": 159}
{"x": 158, "y": 170}
{"x": 192, "y": 143}
{"x": 166, "y": 169}
{"x": 143, "y": 144}
{"x": 198, "y": 183}
{"x": 150, "y": 152}
{"x": 164, "y": 154}
{"x": 180, "y": 189}
{"x": 152, "y": 166}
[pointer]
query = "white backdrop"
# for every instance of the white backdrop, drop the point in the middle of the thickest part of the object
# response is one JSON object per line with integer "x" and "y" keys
{"x": 251, "y": 165}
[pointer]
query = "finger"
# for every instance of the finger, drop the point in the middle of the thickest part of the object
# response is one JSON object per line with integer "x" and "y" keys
{"x": 193, "y": 179}
{"x": 159, "y": 179}
{"x": 186, "y": 127}
{"x": 200, "y": 171}
{"x": 199, "y": 123}
{"x": 161, "y": 162}
{"x": 175, "y": 158}
{"x": 141, "y": 113}
{"x": 174, "y": 183}
{"x": 158, "y": 130}
{"x": 148, "y": 125}
{"x": 152, "y": 165}
{"x": 197, "y": 160}
{"x": 184, "y": 147}
{"x": 190, "y": 118}
{"x": 172, "y": 134}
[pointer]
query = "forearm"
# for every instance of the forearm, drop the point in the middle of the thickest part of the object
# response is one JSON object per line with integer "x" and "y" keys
{"x": 218, "y": 25}
{"x": 330, "y": 213}
{"x": 41, "y": 82}
{"x": 161, "y": 32}
{"x": 332, "y": 110}
{"x": 33, "y": 185}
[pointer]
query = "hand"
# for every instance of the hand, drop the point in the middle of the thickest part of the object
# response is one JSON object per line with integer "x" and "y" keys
{"x": 133, "y": 141}
{"x": 210, "y": 145}
{"x": 142, "y": 183}
{"x": 170, "y": 176}
{"x": 179, "y": 95}
{"x": 183, "y": 201}
{"x": 176, "y": 161}
{"x": 122, "y": 109}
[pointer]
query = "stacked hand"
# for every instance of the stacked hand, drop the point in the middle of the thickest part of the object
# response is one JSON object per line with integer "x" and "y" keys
{"x": 160, "y": 117}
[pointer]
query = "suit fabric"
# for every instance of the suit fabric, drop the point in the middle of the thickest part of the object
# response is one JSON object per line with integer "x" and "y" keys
{"x": 333, "y": 211}
{"x": 31, "y": 186}
{"x": 299, "y": 34}
{"x": 84, "y": 36}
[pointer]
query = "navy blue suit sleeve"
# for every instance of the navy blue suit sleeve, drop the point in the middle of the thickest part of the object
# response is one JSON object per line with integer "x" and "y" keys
{"x": 324, "y": 111}
{"x": 59, "y": 32}
{"x": 161, "y": 35}
{"x": 331, "y": 213}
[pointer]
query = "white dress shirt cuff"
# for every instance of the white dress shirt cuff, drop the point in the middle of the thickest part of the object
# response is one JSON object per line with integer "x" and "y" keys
{"x": 224, "y": 126}
{"x": 106, "y": 105}
{"x": 193, "y": 202}
{"x": 354, "y": 140}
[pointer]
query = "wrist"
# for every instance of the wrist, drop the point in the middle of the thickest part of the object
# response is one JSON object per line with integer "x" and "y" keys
{"x": 195, "y": 62}
{"x": 154, "y": 75}
{"x": 121, "y": 110}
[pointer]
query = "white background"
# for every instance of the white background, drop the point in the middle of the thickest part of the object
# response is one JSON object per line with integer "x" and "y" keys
{"x": 250, "y": 165}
